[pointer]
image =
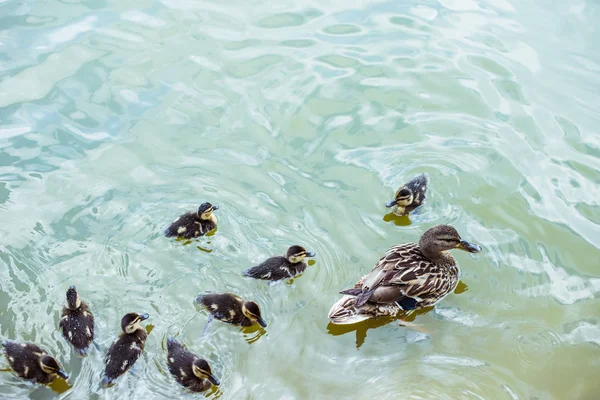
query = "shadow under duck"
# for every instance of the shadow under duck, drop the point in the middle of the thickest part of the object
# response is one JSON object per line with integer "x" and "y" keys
{"x": 281, "y": 267}
{"x": 77, "y": 323}
{"x": 408, "y": 277}
{"x": 230, "y": 308}
{"x": 188, "y": 369}
{"x": 410, "y": 196}
{"x": 33, "y": 363}
{"x": 194, "y": 224}
{"x": 126, "y": 350}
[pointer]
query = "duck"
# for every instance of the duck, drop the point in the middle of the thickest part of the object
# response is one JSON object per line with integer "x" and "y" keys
{"x": 126, "y": 350}
{"x": 230, "y": 308}
{"x": 77, "y": 323}
{"x": 408, "y": 277}
{"x": 32, "y": 363}
{"x": 188, "y": 369}
{"x": 195, "y": 223}
{"x": 281, "y": 267}
{"x": 409, "y": 196}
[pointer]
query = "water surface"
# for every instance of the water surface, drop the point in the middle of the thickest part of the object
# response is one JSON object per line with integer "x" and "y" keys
{"x": 300, "y": 119}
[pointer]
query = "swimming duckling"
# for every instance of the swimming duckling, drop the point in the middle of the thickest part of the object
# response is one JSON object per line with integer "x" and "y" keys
{"x": 408, "y": 277}
{"x": 190, "y": 370}
{"x": 281, "y": 267}
{"x": 410, "y": 196}
{"x": 33, "y": 363}
{"x": 230, "y": 308}
{"x": 77, "y": 322}
{"x": 194, "y": 224}
{"x": 125, "y": 351}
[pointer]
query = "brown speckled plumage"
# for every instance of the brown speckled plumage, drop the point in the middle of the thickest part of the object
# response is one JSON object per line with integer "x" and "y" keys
{"x": 408, "y": 277}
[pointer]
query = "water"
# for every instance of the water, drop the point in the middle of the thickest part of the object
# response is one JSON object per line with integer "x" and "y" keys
{"x": 300, "y": 119}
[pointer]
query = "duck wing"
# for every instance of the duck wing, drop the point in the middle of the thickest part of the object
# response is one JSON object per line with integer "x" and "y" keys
{"x": 403, "y": 276}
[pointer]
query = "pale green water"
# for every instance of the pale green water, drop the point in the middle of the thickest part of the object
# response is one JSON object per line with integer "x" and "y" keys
{"x": 300, "y": 119}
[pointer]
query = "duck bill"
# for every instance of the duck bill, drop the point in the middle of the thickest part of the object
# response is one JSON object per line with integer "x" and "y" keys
{"x": 261, "y": 322}
{"x": 213, "y": 380}
{"x": 215, "y": 207}
{"x": 390, "y": 203}
{"x": 310, "y": 254}
{"x": 470, "y": 247}
{"x": 144, "y": 317}
{"x": 62, "y": 374}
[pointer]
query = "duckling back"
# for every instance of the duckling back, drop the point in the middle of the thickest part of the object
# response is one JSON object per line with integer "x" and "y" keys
{"x": 180, "y": 363}
{"x": 77, "y": 327}
{"x": 275, "y": 269}
{"x": 122, "y": 355}
{"x": 24, "y": 359}
{"x": 225, "y": 307}
{"x": 190, "y": 226}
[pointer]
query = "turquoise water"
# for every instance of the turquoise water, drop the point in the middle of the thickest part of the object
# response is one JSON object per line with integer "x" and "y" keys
{"x": 300, "y": 119}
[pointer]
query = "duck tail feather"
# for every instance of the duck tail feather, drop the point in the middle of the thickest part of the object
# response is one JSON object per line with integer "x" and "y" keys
{"x": 363, "y": 297}
{"x": 352, "y": 292}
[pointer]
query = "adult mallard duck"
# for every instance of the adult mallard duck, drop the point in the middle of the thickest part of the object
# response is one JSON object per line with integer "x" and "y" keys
{"x": 126, "y": 350}
{"x": 194, "y": 224}
{"x": 281, "y": 267}
{"x": 410, "y": 196}
{"x": 190, "y": 370}
{"x": 31, "y": 362}
{"x": 408, "y": 277}
{"x": 77, "y": 322}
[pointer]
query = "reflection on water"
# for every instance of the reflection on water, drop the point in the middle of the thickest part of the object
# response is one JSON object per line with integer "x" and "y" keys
{"x": 300, "y": 120}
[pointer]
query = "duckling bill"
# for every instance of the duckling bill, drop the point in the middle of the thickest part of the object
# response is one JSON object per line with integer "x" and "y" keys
{"x": 230, "y": 308}
{"x": 188, "y": 369}
{"x": 410, "y": 196}
{"x": 194, "y": 224}
{"x": 32, "y": 363}
{"x": 126, "y": 350}
{"x": 77, "y": 323}
{"x": 281, "y": 267}
{"x": 408, "y": 277}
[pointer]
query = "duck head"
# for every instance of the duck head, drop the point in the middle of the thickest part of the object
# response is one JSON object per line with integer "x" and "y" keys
{"x": 202, "y": 370}
{"x": 131, "y": 322}
{"x": 296, "y": 254}
{"x": 252, "y": 311}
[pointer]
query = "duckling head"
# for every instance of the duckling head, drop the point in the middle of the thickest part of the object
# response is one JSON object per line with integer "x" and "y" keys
{"x": 295, "y": 254}
{"x": 252, "y": 311}
{"x": 205, "y": 210}
{"x": 73, "y": 301}
{"x": 131, "y": 322}
{"x": 202, "y": 370}
{"x": 404, "y": 197}
{"x": 50, "y": 366}
{"x": 441, "y": 238}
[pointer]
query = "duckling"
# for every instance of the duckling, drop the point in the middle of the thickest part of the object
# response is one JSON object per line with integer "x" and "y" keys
{"x": 230, "y": 308}
{"x": 125, "y": 351}
{"x": 194, "y": 224}
{"x": 408, "y": 277}
{"x": 77, "y": 322}
{"x": 410, "y": 196}
{"x": 281, "y": 267}
{"x": 33, "y": 363}
{"x": 190, "y": 370}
